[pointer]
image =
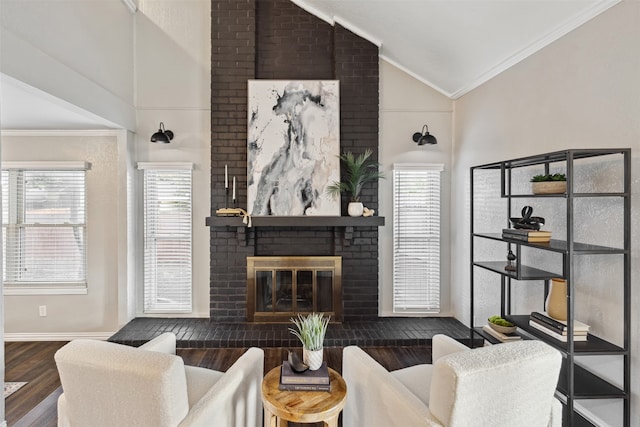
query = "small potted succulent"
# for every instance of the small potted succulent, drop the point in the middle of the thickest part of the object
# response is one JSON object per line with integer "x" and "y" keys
{"x": 310, "y": 330}
{"x": 359, "y": 170}
{"x": 549, "y": 183}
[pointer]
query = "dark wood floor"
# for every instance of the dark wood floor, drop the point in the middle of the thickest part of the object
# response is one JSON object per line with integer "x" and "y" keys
{"x": 35, "y": 403}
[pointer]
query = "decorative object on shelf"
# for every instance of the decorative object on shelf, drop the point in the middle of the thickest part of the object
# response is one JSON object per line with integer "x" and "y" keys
{"x": 549, "y": 184}
{"x": 311, "y": 330}
{"x": 501, "y": 325}
{"x": 162, "y": 136}
{"x": 424, "y": 137}
{"x": 355, "y": 209}
{"x": 556, "y": 303}
{"x": 367, "y": 212}
{"x": 246, "y": 218}
{"x": 500, "y": 336}
{"x": 527, "y": 221}
{"x": 359, "y": 170}
{"x": 293, "y": 143}
{"x": 511, "y": 257}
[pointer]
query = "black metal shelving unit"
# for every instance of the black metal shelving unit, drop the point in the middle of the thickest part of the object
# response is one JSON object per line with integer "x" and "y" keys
{"x": 576, "y": 381}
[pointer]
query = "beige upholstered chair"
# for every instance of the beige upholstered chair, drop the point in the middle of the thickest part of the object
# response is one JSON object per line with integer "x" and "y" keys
{"x": 107, "y": 384}
{"x": 505, "y": 385}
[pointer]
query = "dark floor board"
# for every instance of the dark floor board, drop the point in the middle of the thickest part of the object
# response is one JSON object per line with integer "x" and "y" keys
{"x": 35, "y": 404}
{"x": 31, "y": 362}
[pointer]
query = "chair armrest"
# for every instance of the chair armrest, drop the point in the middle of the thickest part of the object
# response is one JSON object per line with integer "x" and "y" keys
{"x": 236, "y": 399}
{"x": 377, "y": 398}
{"x": 444, "y": 345}
{"x": 555, "y": 420}
{"x": 164, "y": 343}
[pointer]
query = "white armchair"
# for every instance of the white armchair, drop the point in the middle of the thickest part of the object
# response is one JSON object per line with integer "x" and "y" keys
{"x": 108, "y": 384}
{"x": 505, "y": 385}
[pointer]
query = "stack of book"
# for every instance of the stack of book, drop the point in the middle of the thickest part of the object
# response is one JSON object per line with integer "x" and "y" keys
{"x": 558, "y": 328}
{"x": 532, "y": 236}
{"x": 500, "y": 336}
{"x": 304, "y": 381}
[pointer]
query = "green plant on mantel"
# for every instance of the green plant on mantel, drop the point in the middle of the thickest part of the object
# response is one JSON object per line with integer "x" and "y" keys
{"x": 549, "y": 177}
{"x": 359, "y": 170}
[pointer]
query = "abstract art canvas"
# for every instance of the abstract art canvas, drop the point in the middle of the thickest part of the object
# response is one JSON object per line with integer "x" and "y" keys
{"x": 293, "y": 146}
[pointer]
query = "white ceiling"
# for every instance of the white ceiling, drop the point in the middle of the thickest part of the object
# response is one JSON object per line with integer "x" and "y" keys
{"x": 451, "y": 45}
{"x": 23, "y": 107}
{"x": 456, "y": 45}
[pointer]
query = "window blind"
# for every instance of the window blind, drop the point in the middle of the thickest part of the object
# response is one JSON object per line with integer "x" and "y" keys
{"x": 44, "y": 226}
{"x": 416, "y": 238}
{"x": 167, "y": 238}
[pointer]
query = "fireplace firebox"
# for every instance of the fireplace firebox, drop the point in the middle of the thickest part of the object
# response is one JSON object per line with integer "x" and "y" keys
{"x": 281, "y": 287}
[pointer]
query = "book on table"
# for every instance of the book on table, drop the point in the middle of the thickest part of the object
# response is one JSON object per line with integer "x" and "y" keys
{"x": 308, "y": 380}
{"x": 501, "y": 336}
{"x": 558, "y": 326}
{"x": 556, "y": 335}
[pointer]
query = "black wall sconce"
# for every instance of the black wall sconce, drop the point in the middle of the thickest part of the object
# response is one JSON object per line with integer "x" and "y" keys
{"x": 162, "y": 136}
{"x": 424, "y": 137}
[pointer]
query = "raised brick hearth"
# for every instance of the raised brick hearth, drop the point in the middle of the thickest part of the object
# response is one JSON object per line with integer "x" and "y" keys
{"x": 275, "y": 39}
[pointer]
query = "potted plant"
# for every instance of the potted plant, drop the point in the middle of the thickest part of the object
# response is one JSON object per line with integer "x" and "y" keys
{"x": 549, "y": 183}
{"x": 359, "y": 170}
{"x": 310, "y": 330}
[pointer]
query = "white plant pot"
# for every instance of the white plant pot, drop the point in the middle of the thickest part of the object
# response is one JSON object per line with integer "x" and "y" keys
{"x": 355, "y": 209}
{"x": 312, "y": 358}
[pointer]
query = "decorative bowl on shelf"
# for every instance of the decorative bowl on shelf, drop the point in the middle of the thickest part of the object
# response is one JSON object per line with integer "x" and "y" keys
{"x": 503, "y": 329}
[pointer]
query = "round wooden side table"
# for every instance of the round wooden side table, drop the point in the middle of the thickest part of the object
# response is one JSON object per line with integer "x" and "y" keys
{"x": 282, "y": 406}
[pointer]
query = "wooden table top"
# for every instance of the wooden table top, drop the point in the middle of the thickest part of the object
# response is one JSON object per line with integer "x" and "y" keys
{"x": 303, "y": 406}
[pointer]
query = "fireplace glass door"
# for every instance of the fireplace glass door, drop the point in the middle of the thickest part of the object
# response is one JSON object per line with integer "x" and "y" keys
{"x": 282, "y": 287}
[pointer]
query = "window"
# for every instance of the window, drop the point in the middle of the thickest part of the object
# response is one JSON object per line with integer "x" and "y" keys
{"x": 416, "y": 238}
{"x": 167, "y": 237}
{"x": 44, "y": 226}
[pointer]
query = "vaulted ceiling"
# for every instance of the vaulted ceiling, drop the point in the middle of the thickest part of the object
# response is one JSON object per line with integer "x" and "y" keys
{"x": 456, "y": 45}
{"x": 451, "y": 45}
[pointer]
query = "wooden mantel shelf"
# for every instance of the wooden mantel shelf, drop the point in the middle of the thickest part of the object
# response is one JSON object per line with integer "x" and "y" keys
{"x": 296, "y": 221}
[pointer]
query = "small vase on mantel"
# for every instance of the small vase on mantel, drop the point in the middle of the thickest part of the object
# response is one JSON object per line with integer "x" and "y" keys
{"x": 355, "y": 209}
{"x": 557, "y": 299}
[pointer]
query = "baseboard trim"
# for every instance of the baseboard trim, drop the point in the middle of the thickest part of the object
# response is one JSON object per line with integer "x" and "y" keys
{"x": 55, "y": 336}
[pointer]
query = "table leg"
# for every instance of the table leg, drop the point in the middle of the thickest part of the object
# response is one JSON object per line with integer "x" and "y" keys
{"x": 269, "y": 419}
{"x": 332, "y": 422}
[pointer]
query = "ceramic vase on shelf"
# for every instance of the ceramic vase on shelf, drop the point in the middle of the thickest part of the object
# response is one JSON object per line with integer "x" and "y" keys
{"x": 557, "y": 299}
{"x": 355, "y": 209}
{"x": 312, "y": 358}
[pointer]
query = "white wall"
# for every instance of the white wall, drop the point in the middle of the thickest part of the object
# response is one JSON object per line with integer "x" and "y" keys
{"x": 406, "y": 105}
{"x": 173, "y": 57}
{"x": 94, "y": 314}
{"x": 583, "y": 91}
{"x": 78, "y": 51}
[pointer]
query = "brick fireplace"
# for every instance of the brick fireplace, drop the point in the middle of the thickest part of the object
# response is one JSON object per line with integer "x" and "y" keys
{"x": 275, "y": 39}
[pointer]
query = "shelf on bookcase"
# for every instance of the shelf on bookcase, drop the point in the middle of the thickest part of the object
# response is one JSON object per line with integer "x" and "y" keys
{"x": 525, "y": 272}
{"x": 593, "y": 345}
{"x": 556, "y": 245}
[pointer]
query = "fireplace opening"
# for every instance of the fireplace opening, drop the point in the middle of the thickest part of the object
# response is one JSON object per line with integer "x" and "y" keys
{"x": 281, "y": 287}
